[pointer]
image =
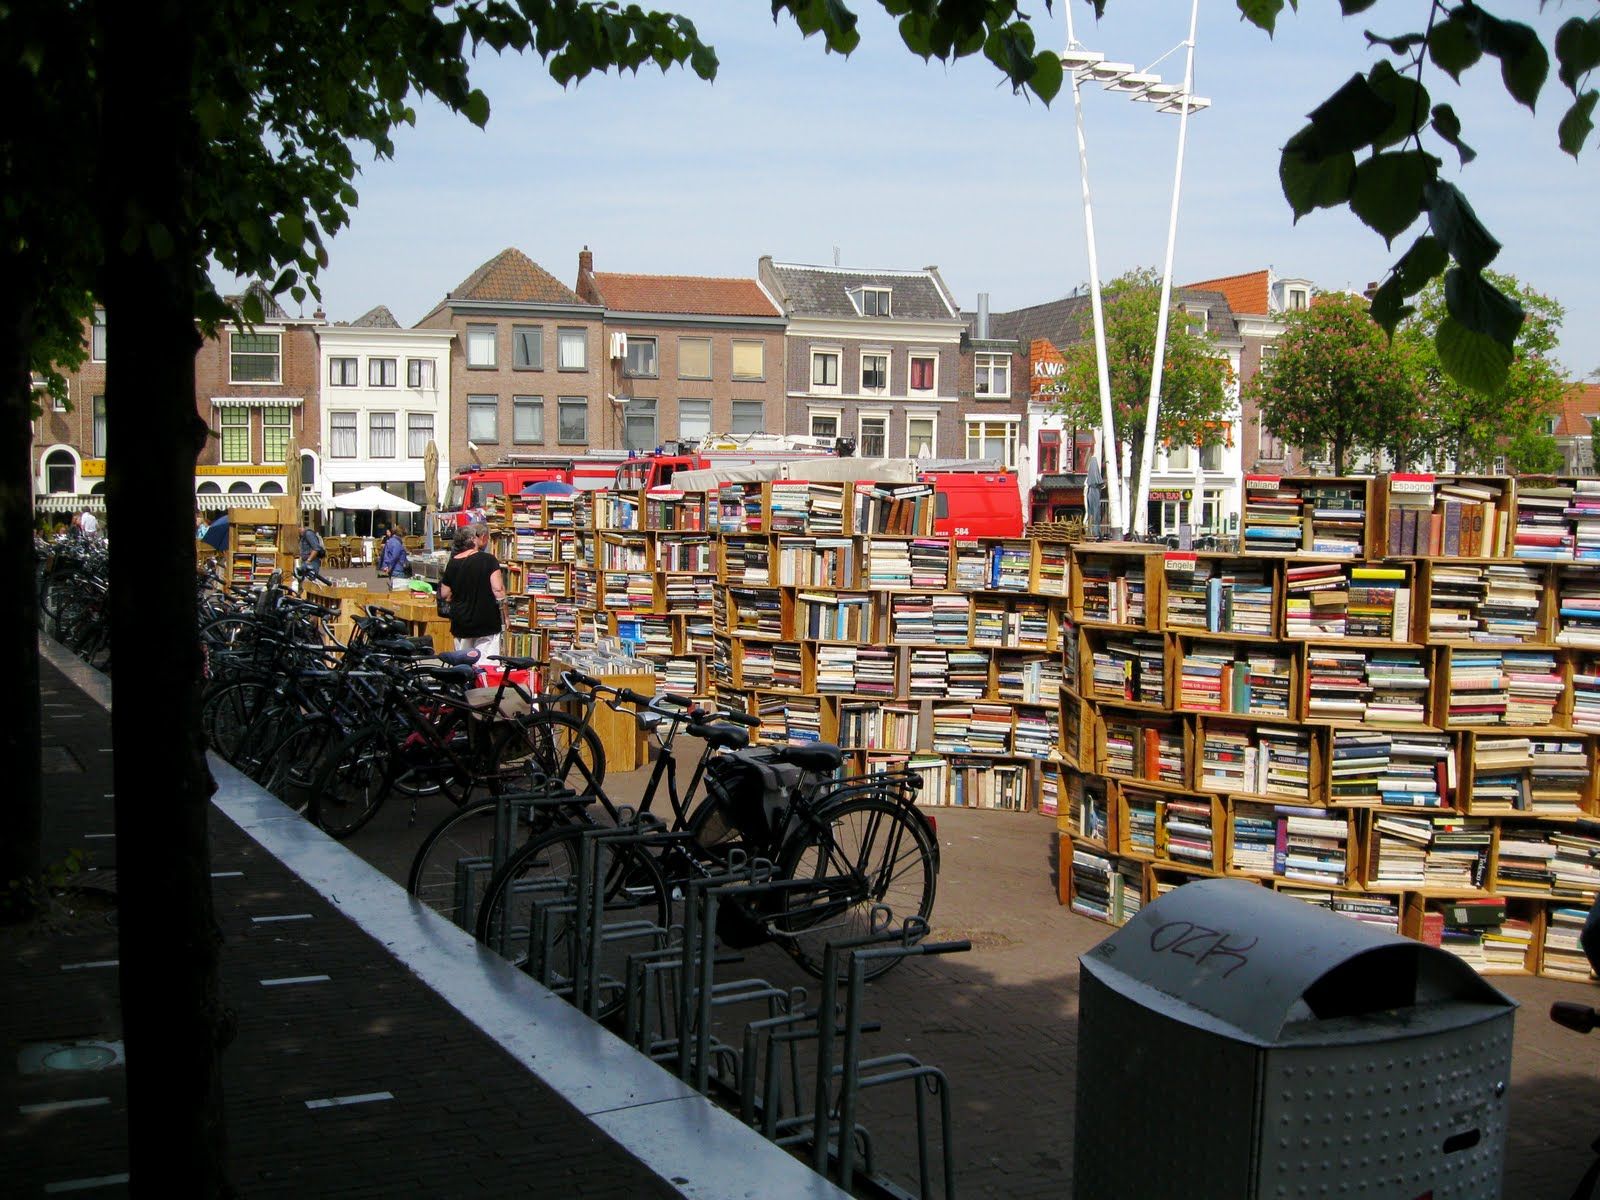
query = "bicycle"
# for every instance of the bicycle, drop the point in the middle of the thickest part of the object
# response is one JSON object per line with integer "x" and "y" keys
{"x": 855, "y": 843}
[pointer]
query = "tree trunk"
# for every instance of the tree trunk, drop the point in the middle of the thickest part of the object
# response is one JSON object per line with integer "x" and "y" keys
{"x": 1338, "y": 455}
{"x": 174, "y": 1021}
{"x": 22, "y": 824}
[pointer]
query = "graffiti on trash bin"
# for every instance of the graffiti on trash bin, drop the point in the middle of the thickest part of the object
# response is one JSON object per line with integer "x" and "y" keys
{"x": 1190, "y": 940}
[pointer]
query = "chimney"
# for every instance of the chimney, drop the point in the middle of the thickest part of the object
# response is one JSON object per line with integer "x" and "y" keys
{"x": 585, "y": 288}
{"x": 983, "y": 316}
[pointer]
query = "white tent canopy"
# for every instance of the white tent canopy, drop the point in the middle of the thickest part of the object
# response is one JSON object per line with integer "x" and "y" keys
{"x": 373, "y": 498}
{"x": 813, "y": 470}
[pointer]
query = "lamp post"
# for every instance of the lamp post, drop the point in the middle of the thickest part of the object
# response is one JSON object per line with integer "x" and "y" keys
{"x": 1090, "y": 66}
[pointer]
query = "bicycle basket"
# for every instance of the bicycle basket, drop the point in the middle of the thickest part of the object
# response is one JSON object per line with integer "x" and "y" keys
{"x": 747, "y": 798}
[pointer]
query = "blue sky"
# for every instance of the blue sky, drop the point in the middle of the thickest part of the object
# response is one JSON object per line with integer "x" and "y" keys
{"x": 899, "y": 163}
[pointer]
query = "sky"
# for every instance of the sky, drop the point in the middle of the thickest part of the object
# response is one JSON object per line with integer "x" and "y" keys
{"x": 884, "y": 161}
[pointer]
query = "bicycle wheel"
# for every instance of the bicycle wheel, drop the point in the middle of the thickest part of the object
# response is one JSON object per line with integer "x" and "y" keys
{"x": 526, "y": 914}
{"x": 352, "y": 783}
{"x": 862, "y": 851}
{"x": 227, "y": 711}
{"x": 554, "y": 745}
{"x": 290, "y": 769}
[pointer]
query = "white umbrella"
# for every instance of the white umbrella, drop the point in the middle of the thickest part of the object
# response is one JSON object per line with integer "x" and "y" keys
{"x": 373, "y": 498}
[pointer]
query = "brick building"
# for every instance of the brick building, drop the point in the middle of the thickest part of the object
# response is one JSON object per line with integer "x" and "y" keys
{"x": 528, "y": 367}
{"x": 697, "y": 355}
{"x": 69, "y": 436}
{"x": 872, "y": 355}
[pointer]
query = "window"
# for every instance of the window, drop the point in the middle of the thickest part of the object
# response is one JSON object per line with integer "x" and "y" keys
{"x": 253, "y": 357}
{"x": 874, "y": 438}
{"x": 572, "y": 350}
{"x": 874, "y": 372}
{"x": 638, "y": 422}
{"x": 381, "y": 372}
{"x": 1550, "y": 424}
{"x": 993, "y": 440}
{"x": 1299, "y": 299}
{"x": 235, "y": 423}
{"x": 97, "y": 336}
{"x": 991, "y": 374}
{"x": 1164, "y": 516}
{"x": 59, "y": 403}
{"x": 98, "y": 437}
{"x": 924, "y": 372}
{"x": 825, "y": 425}
{"x": 483, "y": 418}
{"x": 1500, "y": 464}
{"x": 1271, "y": 446}
{"x": 749, "y": 360}
{"x": 419, "y": 432}
{"x": 1210, "y": 510}
{"x": 239, "y": 488}
{"x": 749, "y": 416}
{"x": 694, "y": 358}
{"x": 1211, "y": 458}
{"x": 874, "y": 302}
{"x": 342, "y": 372}
{"x": 694, "y": 420}
{"x": 60, "y": 473}
{"x": 1268, "y": 353}
{"x": 920, "y": 437}
{"x": 572, "y": 420}
{"x": 480, "y": 346}
{"x": 1197, "y": 318}
{"x": 1179, "y": 458}
{"x": 1049, "y": 451}
{"x": 380, "y": 435}
{"x": 527, "y": 420}
{"x": 419, "y": 373}
{"x": 275, "y": 430}
{"x": 527, "y": 347}
{"x": 341, "y": 435}
{"x": 641, "y": 360}
{"x": 825, "y": 370}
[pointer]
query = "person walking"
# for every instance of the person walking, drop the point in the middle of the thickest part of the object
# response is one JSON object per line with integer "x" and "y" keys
{"x": 312, "y": 548}
{"x": 90, "y": 524}
{"x": 471, "y": 585}
{"x": 395, "y": 562}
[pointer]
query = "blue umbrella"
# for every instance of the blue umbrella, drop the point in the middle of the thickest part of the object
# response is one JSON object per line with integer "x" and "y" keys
{"x": 548, "y": 487}
{"x": 217, "y": 533}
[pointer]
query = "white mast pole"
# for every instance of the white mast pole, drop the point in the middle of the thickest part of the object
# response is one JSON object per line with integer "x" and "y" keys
{"x": 1141, "y": 509}
{"x": 1108, "y": 430}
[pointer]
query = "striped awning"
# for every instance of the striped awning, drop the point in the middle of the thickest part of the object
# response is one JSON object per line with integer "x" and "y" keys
{"x": 63, "y": 502}
{"x": 221, "y": 501}
{"x": 256, "y": 401}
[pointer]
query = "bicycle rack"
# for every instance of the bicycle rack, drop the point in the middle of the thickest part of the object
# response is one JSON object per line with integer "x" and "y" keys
{"x": 591, "y": 929}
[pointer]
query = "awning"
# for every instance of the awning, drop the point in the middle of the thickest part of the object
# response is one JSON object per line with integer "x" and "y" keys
{"x": 256, "y": 401}
{"x": 1057, "y": 483}
{"x": 59, "y": 502}
{"x": 222, "y": 501}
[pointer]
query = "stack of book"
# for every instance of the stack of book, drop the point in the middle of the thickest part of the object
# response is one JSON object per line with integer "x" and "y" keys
{"x": 889, "y": 564}
{"x": 755, "y": 612}
{"x": 1272, "y": 514}
{"x": 952, "y": 725}
{"x": 1139, "y": 824}
{"x": 1099, "y": 890}
{"x": 1500, "y": 775}
{"x": 1498, "y": 603}
{"x": 1010, "y": 566}
{"x": 930, "y": 673}
{"x": 969, "y": 674}
{"x": 1334, "y": 518}
{"x": 748, "y": 561}
{"x": 1187, "y": 831}
{"x": 989, "y": 731}
{"x": 680, "y": 675}
{"x": 1586, "y": 696}
{"x": 1578, "y": 607}
{"x": 1135, "y": 750}
{"x": 831, "y": 616}
{"x": 972, "y": 567}
{"x": 1574, "y": 870}
{"x": 1027, "y": 678}
{"x": 1316, "y": 598}
{"x": 1458, "y": 856}
{"x": 836, "y": 670}
{"x": 1399, "y": 680}
{"x": 1132, "y": 668}
{"x": 1049, "y": 793}
{"x": 1584, "y": 513}
{"x": 1399, "y": 851}
{"x": 1534, "y": 686}
{"x": 1542, "y": 531}
{"x": 1248, "y": 680}
{"x": 790, "y": 506}
{"x": 1036, "y": 732}
{"x": 827, "y": 509}
{"x": 1052, "y": 569}
{"x": 1563, "y": 952}
{"x": 1337, "y": 687}
{"x": 1522, "y": 866}
{"x": 788, "y": 669}
{"x": 1559, "y": 777}
{"x": 875, "y": 670}
{"x": 1110, "y": 596}
{"x": 930, "y": 563}
{"x": 1477, "y": 688}
{"x": 1312, "y": 845}
{"x": 755, "y": 670}
{"x": 1202, "y": 594}
{"x": 1254, "y": 845}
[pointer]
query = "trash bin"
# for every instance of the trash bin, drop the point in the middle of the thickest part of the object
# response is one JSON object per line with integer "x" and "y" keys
{"x": 1236, "y": 1043}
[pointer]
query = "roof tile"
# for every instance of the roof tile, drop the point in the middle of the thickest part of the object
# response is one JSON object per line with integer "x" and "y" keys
{"x": 1579, "y": 403}
{"x": 1247, "y": 293}
{"x": 512, "y": 276}
{"x": 696, "y": 294}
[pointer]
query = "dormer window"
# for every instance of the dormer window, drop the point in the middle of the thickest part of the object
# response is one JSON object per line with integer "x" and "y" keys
{"x": 1297, "y": 299}
{"x": 1197, "y": 318}
{"x": 873, "y": 302}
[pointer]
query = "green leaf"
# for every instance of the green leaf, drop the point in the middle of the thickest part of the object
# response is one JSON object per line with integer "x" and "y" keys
{"x": 1457, "y": 226}
{"x": 1453, "y": 45}
{"x": 476, "y": 108}
{"x": 1047, "y": 76}
{"x": 1410, "y": 101}
{"x": 1389, "y": 305}
{"x": 1310, "y": 183}
{"x": 250, "y": 310}
{"x": 1524, "y": 63}
{"x": 1577, "y": 50}
{"x": 1388, "y": 190}
{"x": 1471, "y": 359}
{"x": 1482, "y": 307}
{"x": 1348, "y": 120}
{"x": 1578, "y": 124}
{"x": 1423, "y": 262}
{"x": 1263, "y": 14}
{"x": 291, "y": 228}
{"x": 1350, "y": 8}
{"x": 1448, "y": 126}
{"x": 1401, "y": 45}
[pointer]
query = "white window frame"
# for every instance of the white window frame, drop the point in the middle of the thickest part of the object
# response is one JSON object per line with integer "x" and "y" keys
{"x": 572, "y": 336}
{"x": 383, "y": 372}
{"x": 911, "y": 360}
{"x": 887, "y": 358}
{"x": 344, "y": 370}
{"x": 422, "y": 374}
{"x": 1220, "y": 450}
{"x": 276, "y": 356}
{"x": 352, "y": 430}
{"x": 837, "y": 356}
{"x": 97, "y": 426}
{"x": 1199, "y": 318}
{"x": 984, "y": 366}
{"x": 710, "y": 357}
{"x": 1297, "y": 299}
{"x": 881, "y": 416}
{"x": 376, "y": 434}
{"x": 276, "y": 419}
{"x": 418, "y": 423}
{"x": 697, "y": 402}
{"x": 933, "y": 438}
{"x": 881, "y": 304}
{"x": 1009, "y": 441}
{"x": 826, "y": 414}
{"x": 479, "y": 404}
{"x": 97, "y": 337}
{"x": 1178, "y": 458}
{"x": 534, "y": 404}
{"x": 227, "y": 418}
{"x": 477, "y": 343}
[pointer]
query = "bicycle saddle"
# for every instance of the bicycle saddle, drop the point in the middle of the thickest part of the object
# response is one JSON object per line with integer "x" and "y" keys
{"x": 818, "y": 757}
{"x": 720, "y": 737}
{"x": 458, "y": 658}
{"x": 517, "y": 664}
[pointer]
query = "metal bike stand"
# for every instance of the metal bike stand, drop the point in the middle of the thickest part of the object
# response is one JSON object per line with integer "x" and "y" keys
{"x": 471, "y": 871}
{"x": 894, "y": 1068}
{"x": 792, "y": 1012}
{"x": 592, "y": 930}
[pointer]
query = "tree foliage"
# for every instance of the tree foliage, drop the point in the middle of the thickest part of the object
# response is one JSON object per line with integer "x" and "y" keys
{"x": 1389, "y": 118}
{"x": 1196, "y": 407}
{"x": 1534, "y": 452}
{"x": 1335, "y": 381}
{"x": 1470, "y": 425}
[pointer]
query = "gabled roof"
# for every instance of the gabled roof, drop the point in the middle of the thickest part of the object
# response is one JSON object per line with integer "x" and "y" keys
{"x": 376, "y": 318}
{"x": 512, "y": 276}
{"x": 807, "y": 291}
{"x": 1247, "y": 293}
{"x": 1579, "y": 403}
{"x": 270, "y": 308}
{"x": 683, "y": 294}
{"x": 1069, "y": 320}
